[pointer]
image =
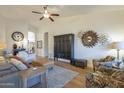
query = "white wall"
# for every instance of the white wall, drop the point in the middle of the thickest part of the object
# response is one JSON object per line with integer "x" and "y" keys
{"x": 40, "y": 37}
{"x": 111, "y": 23}
{"x": 8, "y": 26}
{"x": 13, "y": 26}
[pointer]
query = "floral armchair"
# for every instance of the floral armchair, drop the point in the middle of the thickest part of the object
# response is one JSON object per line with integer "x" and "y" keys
{"x": 105, "y": 77}
{"x": 98, "y": 62}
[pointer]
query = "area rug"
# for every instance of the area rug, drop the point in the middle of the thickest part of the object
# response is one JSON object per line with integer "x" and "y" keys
{"x": 58, "y": 77}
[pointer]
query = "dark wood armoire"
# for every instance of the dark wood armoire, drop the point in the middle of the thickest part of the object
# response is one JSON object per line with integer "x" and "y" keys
{"x": 64, "y": 47}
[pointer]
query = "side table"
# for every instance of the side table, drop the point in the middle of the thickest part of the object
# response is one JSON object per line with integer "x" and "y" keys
{"x": 33, "y": 73}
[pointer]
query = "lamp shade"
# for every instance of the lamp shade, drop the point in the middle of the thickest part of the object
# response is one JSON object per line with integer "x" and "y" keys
{"x": 117, "y": 45}
{"x": 2, "y": 45}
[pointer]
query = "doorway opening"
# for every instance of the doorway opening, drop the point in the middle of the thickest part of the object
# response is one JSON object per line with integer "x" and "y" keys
{"x": 31, "y": 42}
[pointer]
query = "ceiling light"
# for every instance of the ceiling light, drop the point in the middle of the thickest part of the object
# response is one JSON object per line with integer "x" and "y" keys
{"x": 46, "y": 15}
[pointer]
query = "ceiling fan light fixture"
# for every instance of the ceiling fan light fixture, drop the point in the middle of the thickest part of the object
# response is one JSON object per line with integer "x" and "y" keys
{"x": 46, "y": 12}
{"x": 46, "y": 15}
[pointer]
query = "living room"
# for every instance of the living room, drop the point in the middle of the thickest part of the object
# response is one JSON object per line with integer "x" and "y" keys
{"x": 28, "y": 35}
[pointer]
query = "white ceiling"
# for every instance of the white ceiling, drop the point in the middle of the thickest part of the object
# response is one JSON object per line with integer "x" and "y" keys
{"x": 24, "y": 11}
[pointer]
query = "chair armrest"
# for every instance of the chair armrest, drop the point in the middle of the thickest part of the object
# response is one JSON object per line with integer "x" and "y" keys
{"x": 97, "y": 80}
{"x": 96, "y": 64}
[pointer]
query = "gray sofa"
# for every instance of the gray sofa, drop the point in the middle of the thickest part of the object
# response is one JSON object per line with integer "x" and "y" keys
{"x": 10, "y": 77}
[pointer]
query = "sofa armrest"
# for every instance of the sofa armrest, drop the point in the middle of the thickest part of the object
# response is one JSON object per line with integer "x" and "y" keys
{"x": 11, "y": 80}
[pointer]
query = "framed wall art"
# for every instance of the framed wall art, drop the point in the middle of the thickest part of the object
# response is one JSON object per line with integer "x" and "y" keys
{"x": 39, "y": 44}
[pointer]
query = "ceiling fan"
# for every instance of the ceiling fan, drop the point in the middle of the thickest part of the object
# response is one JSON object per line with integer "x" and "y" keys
{"x": 46, "y": 14}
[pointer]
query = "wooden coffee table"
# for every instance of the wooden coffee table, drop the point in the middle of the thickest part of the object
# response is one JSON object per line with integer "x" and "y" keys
{"x": 32, "y": 73}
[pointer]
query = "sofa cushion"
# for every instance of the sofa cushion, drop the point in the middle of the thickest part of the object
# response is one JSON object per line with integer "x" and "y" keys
{"x": 18, "y": 64}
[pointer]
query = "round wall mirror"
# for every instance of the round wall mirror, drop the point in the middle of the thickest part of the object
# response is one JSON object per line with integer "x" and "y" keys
{"x": 17, "y": 36}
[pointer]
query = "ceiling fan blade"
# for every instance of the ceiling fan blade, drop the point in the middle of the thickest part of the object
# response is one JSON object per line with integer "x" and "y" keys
{"x": 51, "y": 19}
{"x": 41, "y": 17}
{"x": 36, "y": 12}
{"x": 54, "y": 14}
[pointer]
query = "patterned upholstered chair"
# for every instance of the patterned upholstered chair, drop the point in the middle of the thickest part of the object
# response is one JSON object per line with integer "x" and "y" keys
{"x": 105, "y": 77}
{"x": 97, "y": 62}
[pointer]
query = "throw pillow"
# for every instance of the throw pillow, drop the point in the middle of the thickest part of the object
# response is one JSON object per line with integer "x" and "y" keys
{"x": 18, "y": 64}
{"x": 109, "y": 58}
{"x": 21, "y": 60}
{"x": 23, "y": 55}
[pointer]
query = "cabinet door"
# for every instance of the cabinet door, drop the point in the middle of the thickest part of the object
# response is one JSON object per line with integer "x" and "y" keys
{"x": 55, "y": 46}
{"x": 71, "y": 41}
{"x": 64, "y": 46}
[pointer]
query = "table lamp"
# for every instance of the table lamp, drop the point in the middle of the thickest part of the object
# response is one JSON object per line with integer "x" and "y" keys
{"x": 2, "y": 45}
{"x": 118, "y": 46}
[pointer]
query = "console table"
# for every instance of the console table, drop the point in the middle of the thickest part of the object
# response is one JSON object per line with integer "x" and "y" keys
{"x": 80, "y": 63}
{"x": 32, "y": 73}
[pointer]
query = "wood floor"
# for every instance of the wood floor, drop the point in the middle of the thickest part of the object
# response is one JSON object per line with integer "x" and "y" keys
{"x": 78, "y": 81}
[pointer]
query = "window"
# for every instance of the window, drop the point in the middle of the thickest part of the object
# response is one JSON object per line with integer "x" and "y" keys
{"x": 31, "y": 36}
